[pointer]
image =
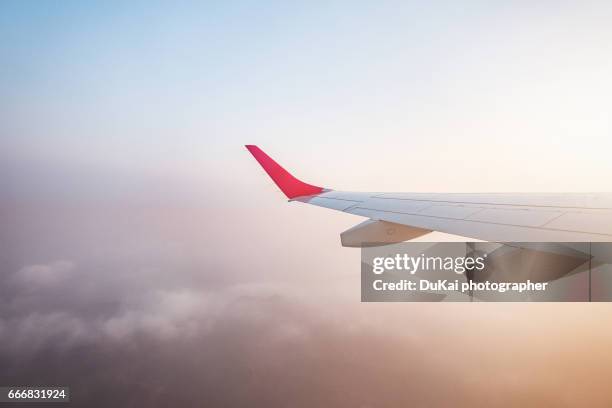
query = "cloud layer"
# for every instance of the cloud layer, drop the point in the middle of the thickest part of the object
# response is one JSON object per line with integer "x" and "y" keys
{"x": 139, "y": 307}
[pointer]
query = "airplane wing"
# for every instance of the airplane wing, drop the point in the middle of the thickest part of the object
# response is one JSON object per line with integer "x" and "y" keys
{"x": 496, "y": 217}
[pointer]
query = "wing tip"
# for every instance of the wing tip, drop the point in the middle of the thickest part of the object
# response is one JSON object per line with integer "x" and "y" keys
{"x": 289, "y": 185}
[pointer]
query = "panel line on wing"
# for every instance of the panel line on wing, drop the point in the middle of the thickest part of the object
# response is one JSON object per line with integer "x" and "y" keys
{"x": 461, "y": 199}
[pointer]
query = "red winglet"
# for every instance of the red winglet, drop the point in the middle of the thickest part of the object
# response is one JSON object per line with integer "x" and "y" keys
{"x": 291, "y": 186}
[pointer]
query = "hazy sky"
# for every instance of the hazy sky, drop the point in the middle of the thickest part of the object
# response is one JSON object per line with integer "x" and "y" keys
{"x": 491, "y": 96}
{"x": 143, "y": 248}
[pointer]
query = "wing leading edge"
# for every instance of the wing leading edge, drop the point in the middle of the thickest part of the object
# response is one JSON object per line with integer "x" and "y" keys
{"x": 525, "y": 217}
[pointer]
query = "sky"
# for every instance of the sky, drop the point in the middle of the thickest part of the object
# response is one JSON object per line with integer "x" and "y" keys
{"x": 143, "y": 250}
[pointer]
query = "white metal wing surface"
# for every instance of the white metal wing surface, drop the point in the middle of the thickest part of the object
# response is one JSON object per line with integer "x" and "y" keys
{"x": 501, "y": 217}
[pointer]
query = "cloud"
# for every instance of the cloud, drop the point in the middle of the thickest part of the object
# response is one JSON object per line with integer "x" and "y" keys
{"x": 33, "y": 277}
{"x": 133, "y": 314}
{"x": 164, "y": 314}
{"x": 258, "y": 345}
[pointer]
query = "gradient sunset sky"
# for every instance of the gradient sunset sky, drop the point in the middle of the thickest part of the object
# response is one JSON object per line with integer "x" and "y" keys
{"x": 135, "y": 224}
